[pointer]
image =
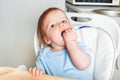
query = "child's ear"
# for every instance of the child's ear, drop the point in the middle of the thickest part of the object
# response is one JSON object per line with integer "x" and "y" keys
{"x": 47, "y": 40}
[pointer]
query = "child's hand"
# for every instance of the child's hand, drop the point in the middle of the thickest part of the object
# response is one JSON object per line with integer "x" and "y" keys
{"x": 70, "y": 35}
{"x": 36, "y": 72}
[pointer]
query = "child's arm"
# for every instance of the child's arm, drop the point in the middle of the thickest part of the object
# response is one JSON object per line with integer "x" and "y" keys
{"x": 78, "y": 56}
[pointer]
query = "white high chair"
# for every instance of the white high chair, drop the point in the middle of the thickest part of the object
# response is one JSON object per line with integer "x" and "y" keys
{"x": 102, "y": 38}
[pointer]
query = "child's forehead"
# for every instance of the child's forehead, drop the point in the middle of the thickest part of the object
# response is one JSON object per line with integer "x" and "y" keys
{"x": 56, "y": 14}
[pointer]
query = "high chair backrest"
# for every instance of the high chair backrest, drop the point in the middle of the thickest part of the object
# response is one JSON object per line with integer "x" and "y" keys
{"x": 102, "y": 38}
{"x": 101, "y": 45}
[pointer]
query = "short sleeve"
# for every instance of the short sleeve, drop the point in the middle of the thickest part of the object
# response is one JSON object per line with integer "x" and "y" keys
{"x": 39, "y": 62}
{"x": 85, "y": 48}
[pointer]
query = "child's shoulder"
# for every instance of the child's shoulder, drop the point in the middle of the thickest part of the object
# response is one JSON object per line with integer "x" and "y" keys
{"x": 44, "y": 50}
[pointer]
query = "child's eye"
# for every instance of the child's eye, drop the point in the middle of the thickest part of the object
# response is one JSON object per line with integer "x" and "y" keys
{"x": 64, "y": 21}
{"x": 53, "y": 25}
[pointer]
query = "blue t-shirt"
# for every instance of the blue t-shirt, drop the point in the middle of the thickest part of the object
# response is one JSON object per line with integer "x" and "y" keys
{"x": 59, "y": 64}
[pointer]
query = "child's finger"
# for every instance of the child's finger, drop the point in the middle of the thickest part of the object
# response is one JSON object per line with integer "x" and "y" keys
{"x": 33, "y": 71}
{"x": 37, "y": 72}
{"x": 41, "y": 72}
{"x": 30, "y": 70}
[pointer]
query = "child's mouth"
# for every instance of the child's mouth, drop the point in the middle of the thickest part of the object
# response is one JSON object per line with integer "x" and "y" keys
{"x": 62, "y": 33}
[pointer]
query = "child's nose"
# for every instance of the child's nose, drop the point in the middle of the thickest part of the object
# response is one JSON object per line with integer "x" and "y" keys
{"x": 62, "y": 24}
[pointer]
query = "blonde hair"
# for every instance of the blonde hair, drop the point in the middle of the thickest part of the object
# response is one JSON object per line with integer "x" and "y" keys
{"x": 40, "y": 32}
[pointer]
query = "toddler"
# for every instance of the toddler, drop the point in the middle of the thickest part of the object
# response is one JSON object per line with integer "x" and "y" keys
{"x": 62, "y": 55}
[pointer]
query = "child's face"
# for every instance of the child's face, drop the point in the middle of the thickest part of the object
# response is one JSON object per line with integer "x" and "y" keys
{"x": 55, "y": 24}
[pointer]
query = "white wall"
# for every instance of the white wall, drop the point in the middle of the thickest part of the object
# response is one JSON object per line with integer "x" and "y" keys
{"x": 18, "y": 22}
